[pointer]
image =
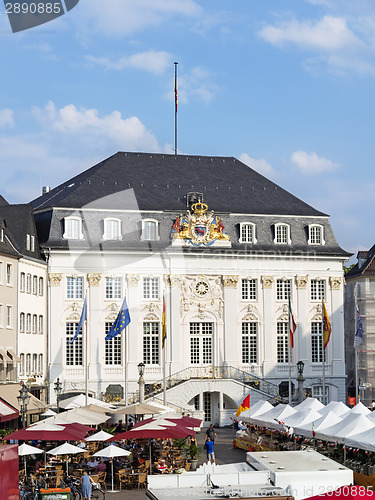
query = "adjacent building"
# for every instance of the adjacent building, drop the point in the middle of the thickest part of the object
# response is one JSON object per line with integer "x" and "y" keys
{"x": 223, "y": 248}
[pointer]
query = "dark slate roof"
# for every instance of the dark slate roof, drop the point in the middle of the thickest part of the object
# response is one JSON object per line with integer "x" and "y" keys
{"x": 161, "y": 182}
{"x": 19, "y": 220}
{"x": 365, "y": 266}
{"x": 3, "y": 201}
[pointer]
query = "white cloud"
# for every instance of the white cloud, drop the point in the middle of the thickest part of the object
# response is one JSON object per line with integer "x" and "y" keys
{"x": 116, "y": 18}
{"x": 260, "y": 165}
{"x": 6, "y": 118}
{"x": 311, "y": 163}
{"x": 195, "y": 84}
{"x": 327, "y": 34}
{"x": 153, "y": 61}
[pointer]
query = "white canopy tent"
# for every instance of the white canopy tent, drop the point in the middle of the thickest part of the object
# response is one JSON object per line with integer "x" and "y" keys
{"x": 360, "y": 408}
{"x": 319, "y": 425}
{"x": 301, "y": 417}
{"x": 364, "y": 440}
{"x": 259, "y": 408}
{"x": 272, "y": 417}
{"x": 311, "y": 404}
{"x": 336, "y": 407}
{"x": 346, "y": 428}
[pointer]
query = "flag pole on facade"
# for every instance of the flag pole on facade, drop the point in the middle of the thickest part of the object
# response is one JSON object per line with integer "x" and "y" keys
{"x": 175, "y": 107}
{"x": 292, "y": 329}
{"x": 358, "y": 338}
{"x": 245, "y": 405}
{"x": 326, "y": 334}
{"x": 81, "y": 323}
{"x": 163, "y": 339}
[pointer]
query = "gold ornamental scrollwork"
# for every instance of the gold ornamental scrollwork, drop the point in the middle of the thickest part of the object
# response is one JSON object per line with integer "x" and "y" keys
{"x": 301, "y": 281}
{"x": 172, "y": 280}
{"x": 335, "y": 283}
{"x": 230, "y": 281}
{"x": 133, "y": 279}
{"x": 267, "y": 281}
{"x": 94, "y": 279}
{"x": 55, "y": 279}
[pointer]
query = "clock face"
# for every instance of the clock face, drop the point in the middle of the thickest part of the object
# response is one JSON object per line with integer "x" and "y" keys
{"x": 201, "y": 288}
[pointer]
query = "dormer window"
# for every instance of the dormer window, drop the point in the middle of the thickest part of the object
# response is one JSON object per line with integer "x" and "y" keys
{"x": 247, "y": 232}
{"x": 112, "y": 229}
{"x": 150, "y": 230}
{"x": 28, "y": 242}
{"x": 316, "y": 235}
{"x": 73, "y": 228}
{"x": 282, "y": 234}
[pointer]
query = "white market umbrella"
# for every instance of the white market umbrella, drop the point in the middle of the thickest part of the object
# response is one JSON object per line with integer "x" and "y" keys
{"x": 49, "y": 413}
{"x": 111, "y": 452}
{"x": 138, "y": 409}
{"x": 25, "y": 449}
{"x": 65, "y": 449}
{"x": 99, "y": 436}
{"x": 79, "y": 416}
{"x": 80, "y": 400}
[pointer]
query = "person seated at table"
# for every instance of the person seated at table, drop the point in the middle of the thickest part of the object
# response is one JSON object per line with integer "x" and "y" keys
{"x": 92, "y": 463}
{"x": 81, "y": 444}
{"x": 101, "y": 467}
{"x": 136, "y": 460}
{"x": 162, "y": 467}
{"x": 38, "y": 464}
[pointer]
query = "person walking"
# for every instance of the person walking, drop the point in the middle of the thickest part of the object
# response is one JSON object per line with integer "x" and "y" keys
{"x": 86, "y": 486}
{"x": 210, "y": 433}
{"x": 209, "y": 445}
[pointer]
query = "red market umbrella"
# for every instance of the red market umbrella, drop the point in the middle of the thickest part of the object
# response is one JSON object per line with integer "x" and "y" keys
{"x": 181, "y": 421}
{"x": 154, "y": 430}
{"x": 67, "y": 433}
{"x": 347, "y": 492}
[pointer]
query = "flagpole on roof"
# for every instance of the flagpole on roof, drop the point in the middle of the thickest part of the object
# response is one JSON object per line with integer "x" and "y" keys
{"x": 175, "y": 107}
{"x": 323, "y": 359}
{"x": 86, "y": 354}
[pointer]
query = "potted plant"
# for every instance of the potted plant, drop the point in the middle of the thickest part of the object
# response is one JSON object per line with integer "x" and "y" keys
{"x": 193, "y": 452}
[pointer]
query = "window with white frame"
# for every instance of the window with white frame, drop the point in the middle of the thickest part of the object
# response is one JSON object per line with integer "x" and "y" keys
{"x": 112, "y": 229}
{"x": 249, "y": 342}
{"x": 40, "y": 364}
{"x": 35, "y": 285}
{"x": 73, "y": 351}
{"x": 316, "y": 235}
{"x": 35, "y": 364}
{"x": 41, "y": 287}
{"x": 113, "y": 347}
{"x": 73, "y": 228}
{"x": 113, "y": 288}
{"x": 40, "y": 325}
{"x": 22, "y": 322}
{"x": 151, "y": 343}
{"x": 22, "y": 282}
{"x": 35, "y": 323}
{"x": 249, "y": 289}
{"x": 28, "y": 283}
{"x": 28, "y": 364}
{"x": 1, "y": 234}
{"x": 150, "y": 288}
{"x": 317, "y": 393}
{"x": 28, "y": 323}
{"x": 32, "y": 243}
{"x": 28, "y": 242}
{"x": 318, "y": 290}
{"x": 201, "y": 343}
{"x": 282, "y": 234}
{"x": 9, "y": 316}
{"x": 247, "y": 232}
{"x": 9, "y": 274}
{"x": 74, "y": 287}
{"x": 282, "y": 342}
{"x": 149, "y": 230}
{"x": 283, "y": 289}
{"x": 317, "y": 350}
{"x": 22, "y": 364}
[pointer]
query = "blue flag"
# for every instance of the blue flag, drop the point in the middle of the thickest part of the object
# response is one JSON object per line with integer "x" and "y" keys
{"x": 122, "y": 321}
{"x": 358, "y": 337}
{"x": 82, "y": 319}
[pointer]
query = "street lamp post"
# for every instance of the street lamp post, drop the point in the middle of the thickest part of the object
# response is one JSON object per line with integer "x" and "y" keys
{"x": 300, "y": 380}
{"x": 23, "y": 400}
{"x": 58, "y": 390}
{"x": 141, "y": 382}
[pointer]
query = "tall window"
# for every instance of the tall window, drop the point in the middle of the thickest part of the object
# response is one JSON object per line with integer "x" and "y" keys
{"x": 74, "y": 353}
{"x": 40, "y": 364}
{"x": 22, "y": 364}
{"x": 112, "y": 347}
{"x": 28, "y": 323}
{"x": 249, "y": 342}
{"x": 247, "y": 232}
{"x": 113, "y": 288}
{"x": 317, "y": 393}
{"x": 316, "y": 235}
{"x": 22, "y": 282}
{"x": 150, "y": 288}
{"x": 249, "y": 289}
{"x": 74, "y": 288}
{"x": 201, "y": 343}
{"x": 35, "y": 364}
{"x": 151, "y": 343}
{"x": 282, "y": 234}
{"x": 149, "y": 230}
{"x": 318, "y": 289}
{"x": 35, "y": 285}
{"x": 9, "y": 274}
{"x": 35, "y": 322}
{"x": 112, "y": 229}
{"x": 282, "y": 342}
{"x": 41, "y": 287}
{"x": 283, "y": 289}
{"x": 73, "y": 228}
{"x": 28, "y": 283}
{"x": 9, "y": 317}
{"x": 1, "y": 273}
{"x": 22, "y": 322}
{"x": 316, "y": 343}
{"x": 27, "y": 242}
{"x": 28, "y": 364}
{"x": 40, "y": 325}
{"x": 32, "y": 243}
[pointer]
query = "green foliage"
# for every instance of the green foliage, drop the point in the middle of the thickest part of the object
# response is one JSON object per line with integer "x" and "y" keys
{"x": 348, "y": 268}
{"x": 179, "y": 443}
{"x": 192, "y": 450}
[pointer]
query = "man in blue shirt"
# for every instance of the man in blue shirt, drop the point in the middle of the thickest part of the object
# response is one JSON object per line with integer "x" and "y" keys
{"x": 209, "y": 445}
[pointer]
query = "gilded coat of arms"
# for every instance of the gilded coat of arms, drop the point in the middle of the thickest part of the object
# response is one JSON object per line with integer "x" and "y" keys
{"x": 200, "y": 227}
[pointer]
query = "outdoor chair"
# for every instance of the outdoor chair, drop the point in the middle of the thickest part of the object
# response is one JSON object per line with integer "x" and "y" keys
{"x": 102, "y": 478}
{"x": 123, "y": 479}
{"x": 142, "y": 480}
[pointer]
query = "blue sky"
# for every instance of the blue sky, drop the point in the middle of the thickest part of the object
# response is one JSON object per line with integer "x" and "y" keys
{"x": 286, "y": 86}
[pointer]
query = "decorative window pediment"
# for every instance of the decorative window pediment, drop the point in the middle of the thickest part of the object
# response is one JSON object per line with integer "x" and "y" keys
{"x": 73, "y": 228}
